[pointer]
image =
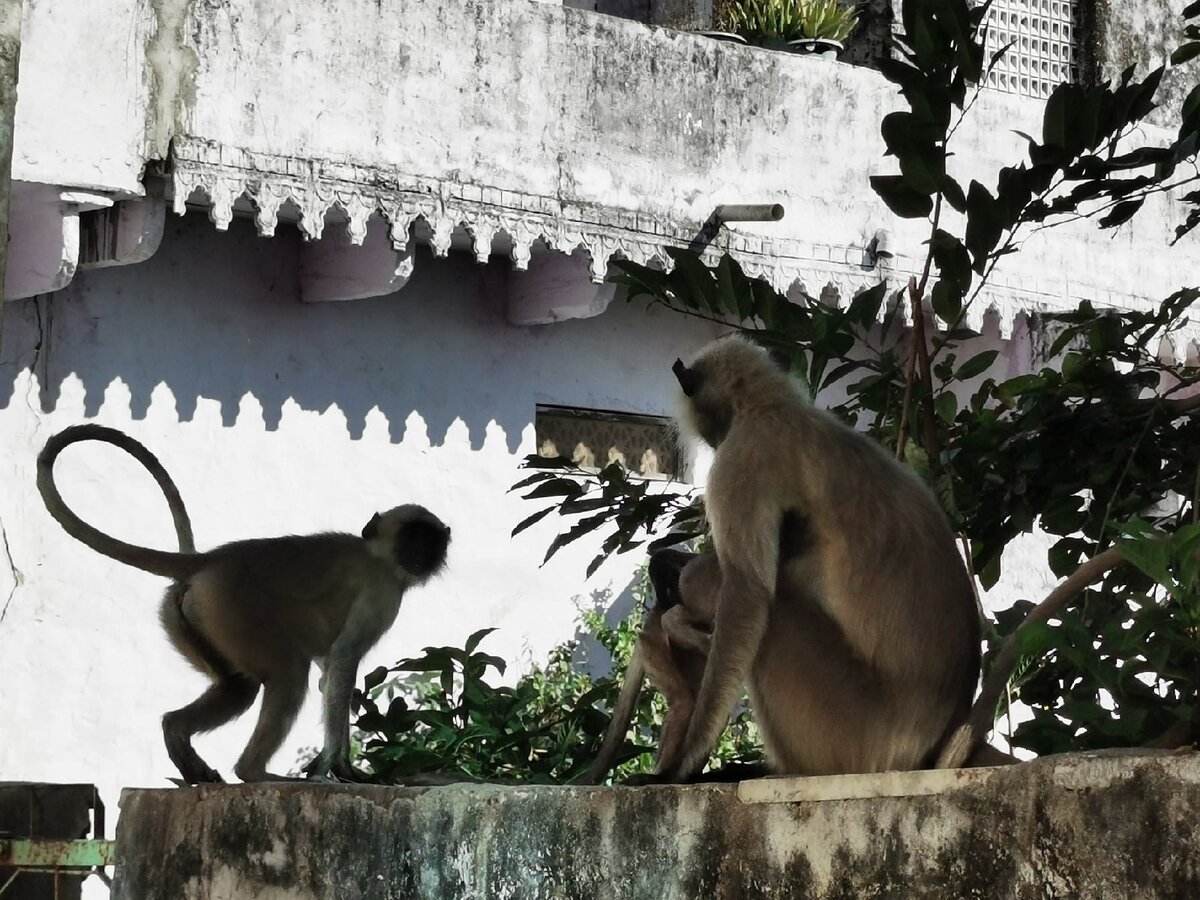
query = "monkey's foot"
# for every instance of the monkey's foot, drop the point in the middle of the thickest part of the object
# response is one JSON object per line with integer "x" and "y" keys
{"x": 179, "y": 748}
{"x": 646, "y": 779}
{"x": 200, "y": 774}
{"x": 321, "y": 770}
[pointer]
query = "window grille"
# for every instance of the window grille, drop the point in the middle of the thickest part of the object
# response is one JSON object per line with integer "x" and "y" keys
{"x": 1044, "y": 51}
{"x": 593, "y": 438}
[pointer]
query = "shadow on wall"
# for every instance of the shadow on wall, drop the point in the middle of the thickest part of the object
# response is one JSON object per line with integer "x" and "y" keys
{"x": 216, "y": 315}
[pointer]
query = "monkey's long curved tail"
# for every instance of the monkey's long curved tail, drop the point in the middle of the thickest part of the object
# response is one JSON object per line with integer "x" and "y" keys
{"x": 622, "y": 715}
{"x": 157, "y": 562}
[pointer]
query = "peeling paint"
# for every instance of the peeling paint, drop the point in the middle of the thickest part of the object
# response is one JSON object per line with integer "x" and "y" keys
{"x": 169, "y": 73}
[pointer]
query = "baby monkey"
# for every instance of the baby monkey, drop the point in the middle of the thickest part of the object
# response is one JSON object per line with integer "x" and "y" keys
{"x": 672, "y": 651}
{"x": 256, "y": 613}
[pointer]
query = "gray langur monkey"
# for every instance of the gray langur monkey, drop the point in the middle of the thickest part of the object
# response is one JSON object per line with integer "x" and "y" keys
{"x": 672, "y": 650}
{"x": 257, "y": 612}
{"x": 869, "y": 660}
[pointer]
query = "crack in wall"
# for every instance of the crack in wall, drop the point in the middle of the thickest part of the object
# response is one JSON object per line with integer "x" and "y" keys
{"x": 41, "y": 353}
{"x": 43, "y": 328}
{"x": 18, "y": 577}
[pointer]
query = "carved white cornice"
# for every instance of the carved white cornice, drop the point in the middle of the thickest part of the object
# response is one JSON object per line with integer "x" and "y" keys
{"x": 317, "y": 187}
{"x": 224, "y": 175}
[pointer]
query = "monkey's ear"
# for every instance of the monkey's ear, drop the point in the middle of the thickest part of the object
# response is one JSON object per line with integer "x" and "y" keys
{"x": 371, "y": 528}
{"x": 688, "y": 380}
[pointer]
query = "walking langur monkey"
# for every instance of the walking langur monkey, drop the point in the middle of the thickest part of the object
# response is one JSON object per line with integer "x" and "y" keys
{"x": 258, "y": 612}
{"x": 868, "y": 660}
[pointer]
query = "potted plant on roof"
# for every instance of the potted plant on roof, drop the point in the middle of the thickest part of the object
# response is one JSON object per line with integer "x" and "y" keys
{"x": 824, "y": 27}
{"x": 802, "y": 26}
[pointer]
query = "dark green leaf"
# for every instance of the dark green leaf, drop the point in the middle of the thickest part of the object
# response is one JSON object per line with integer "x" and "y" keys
{"x": 1191, "y": 105}
{"x": 531, "y": 520}
{"x": 558, "y": 487}
{"x": 984, "y": 226}
{"x": 1021, "y": 384}
{"x": 976, "y": 365}
{"x": 1054, "y": 117}
{"x": 947, "y": 299}
{"x": 574, "y": 533}
{"x": 1121, "y": 213}
{"x": 954, "y": 195}
{"x": 475, "y": 638}
{"x": 901, "y": 198}
{"x": 945, "y": 406}
{"x": 375, "y": 677}
{"x": 670, "y": 540}
{"x": 864, "y": 308}
{"x": 573, "y": 507}
{"x": 736, "y": 295}
{"x": 693, "y": 281}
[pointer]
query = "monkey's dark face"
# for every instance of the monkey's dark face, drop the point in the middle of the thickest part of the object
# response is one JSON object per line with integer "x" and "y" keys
{"x": 415, "y": 538}
{"x": 421, "y": 545}
{"x": 664, "y": 569}
{"x": 710, "y": 414}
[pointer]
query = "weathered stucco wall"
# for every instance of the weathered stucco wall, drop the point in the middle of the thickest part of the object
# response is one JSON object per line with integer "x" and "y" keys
{"x": 83, "y": 110}
{"x": 542, "y": 120}
{"x": 1071, "y": 828}
{"x": 10, "y": 54}
{"x": 1140, "y": 33}
{"x": 521, "y": 121}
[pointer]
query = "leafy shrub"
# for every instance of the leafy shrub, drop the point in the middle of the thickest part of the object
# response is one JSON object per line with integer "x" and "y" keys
{"x": 441, "y": 712}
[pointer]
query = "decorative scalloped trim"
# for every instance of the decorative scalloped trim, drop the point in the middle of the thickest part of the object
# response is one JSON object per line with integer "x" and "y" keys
{"x": 225, "y": 174}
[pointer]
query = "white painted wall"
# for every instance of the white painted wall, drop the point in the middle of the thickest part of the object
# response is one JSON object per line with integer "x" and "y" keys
{"x": 276, "y": 416}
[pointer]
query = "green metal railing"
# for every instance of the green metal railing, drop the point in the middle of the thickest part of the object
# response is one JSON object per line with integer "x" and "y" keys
{"x": 60, "y": 858}
{"x": 77, "y": 858}
{"x": 57, "y": 863}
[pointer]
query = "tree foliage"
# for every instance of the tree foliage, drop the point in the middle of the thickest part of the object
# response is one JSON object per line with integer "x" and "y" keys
{"x": 441, "y": 712}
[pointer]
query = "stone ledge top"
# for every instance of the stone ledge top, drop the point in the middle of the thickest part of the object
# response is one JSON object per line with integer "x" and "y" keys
{"x": 1086, "y": 825}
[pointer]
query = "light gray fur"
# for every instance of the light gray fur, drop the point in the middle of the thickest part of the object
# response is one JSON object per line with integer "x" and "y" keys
{"x": 860, "y": 653}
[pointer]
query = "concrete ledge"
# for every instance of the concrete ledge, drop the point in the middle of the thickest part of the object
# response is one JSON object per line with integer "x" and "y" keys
{"x": 1112, "y": 826}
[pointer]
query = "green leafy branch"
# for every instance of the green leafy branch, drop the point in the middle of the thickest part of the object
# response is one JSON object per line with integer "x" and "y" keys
{"x": 633, "y": 507}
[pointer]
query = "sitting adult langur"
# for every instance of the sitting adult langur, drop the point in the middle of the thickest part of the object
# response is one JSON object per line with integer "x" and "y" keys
{"x": 868, "y": 659}
{"x": 258, "y": 612}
